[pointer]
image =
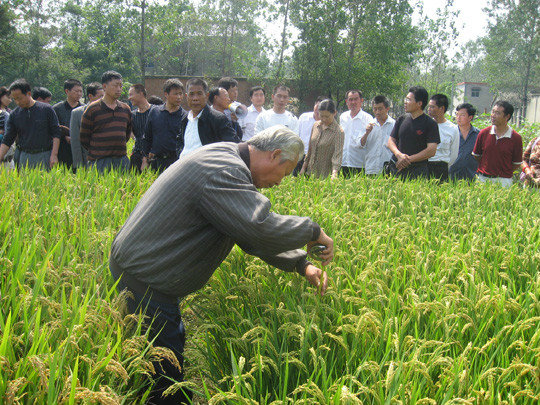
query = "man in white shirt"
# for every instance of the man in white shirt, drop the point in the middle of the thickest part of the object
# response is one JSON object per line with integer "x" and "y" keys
{"x": 354, "y": 123}
{"x": 257, "y": 97}
{"x": 305, "y": 125}
{"x": 375, "y": 139}
{"x": 278, "y": 115}
{"x": 448, "y": 149}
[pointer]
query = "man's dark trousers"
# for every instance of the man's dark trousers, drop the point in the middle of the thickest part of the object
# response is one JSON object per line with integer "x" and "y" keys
{"x": 167, "y": 328}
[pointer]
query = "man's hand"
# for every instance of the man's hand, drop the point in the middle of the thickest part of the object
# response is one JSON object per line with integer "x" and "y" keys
{"x": 403, "y": 161}
{"x": 369, "y": 128}
{"x": 328, "y": 254}
{"x": 53, "y": 160}
{"x": 144, "y": 164}
{"x": 68, "y": 139}
{"x": 317, "y": 278}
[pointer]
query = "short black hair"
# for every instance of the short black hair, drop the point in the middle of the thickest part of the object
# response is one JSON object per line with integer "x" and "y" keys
{"x": 139, "y": 88}
{"x": 467, "y": 106}
{"x": 110, "y": 75}
{"x": 20, "y": 84}
{"x": 441, "y": 100}
{"x": 3, "y": 91}
{"x": 507, "y": 107}
{"x": 41, "y": 92}
{"x": 381, "y": 100}
{"x": 172, "y": 84}
{"x": 320, "y": 98}
{"x": 93, "y": 88}
{"x": 254, "y": 89}
{"x": 155, "y": 100}
{"x": 281, "y": 87}
{"x": 327, "y": 105}
{"x": 70, "y": 83}
{"x": 197, "y": 81}
{"x": 227, "y": 83}
{"x": 420, "y": 95}
{"x": 353, "y": 91}
{"x": 214, "y": 92}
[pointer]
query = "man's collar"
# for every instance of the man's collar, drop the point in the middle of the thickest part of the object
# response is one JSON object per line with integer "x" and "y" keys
{"x": 191, "y": 117}
{"x": 507, "y": 134}
{"x": 69, "y": 107}
{"x": 357, "y": 114}
{"x": 244, "y": 153}
{"x": 103, "y": 103}
{"x": 163, "y": 107}
{"x": 387, "y": 121}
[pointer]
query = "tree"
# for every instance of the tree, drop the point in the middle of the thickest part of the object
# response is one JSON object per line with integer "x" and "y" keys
{"x": 347, "y": 44}
{"x": 435, "y": 66}
{"x": 513, "y": 48}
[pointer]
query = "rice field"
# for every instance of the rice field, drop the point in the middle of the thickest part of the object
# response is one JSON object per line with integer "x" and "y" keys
{"x": 433, "y": 299}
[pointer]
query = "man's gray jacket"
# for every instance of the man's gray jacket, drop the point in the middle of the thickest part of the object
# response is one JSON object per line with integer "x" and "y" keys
{"x": 189, "y": 220}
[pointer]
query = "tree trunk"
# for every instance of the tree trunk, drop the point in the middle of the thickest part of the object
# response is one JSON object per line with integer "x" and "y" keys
{"x": 143, "y": 23}
{"x": 283, "y": 41}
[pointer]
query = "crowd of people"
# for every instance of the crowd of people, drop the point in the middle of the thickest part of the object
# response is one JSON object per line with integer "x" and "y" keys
{"x": 206, "y": 199}
{"x": 413, "y": 145}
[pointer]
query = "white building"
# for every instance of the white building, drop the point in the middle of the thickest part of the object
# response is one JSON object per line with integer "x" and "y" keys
{"x": 533, "y": 108}
{"x": 478, "y": 94}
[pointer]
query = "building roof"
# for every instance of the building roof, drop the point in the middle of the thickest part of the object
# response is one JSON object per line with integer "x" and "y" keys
{"x": 477, "y": 83}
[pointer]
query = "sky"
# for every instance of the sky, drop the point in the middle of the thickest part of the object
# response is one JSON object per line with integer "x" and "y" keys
{"x": 471, "y": 17}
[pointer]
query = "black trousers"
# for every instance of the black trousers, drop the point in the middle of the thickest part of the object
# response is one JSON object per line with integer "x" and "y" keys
{"x": 64, "y": 153}
{"x": 161, "y": 163}
{"x": 438, "y": 170}
{"x": 348, "y": 172}
{"x": 414, "y": 171}
{"x": 135, "y": 161}
{"x": 298, "y": 167}
{"x": 165, "y": 325}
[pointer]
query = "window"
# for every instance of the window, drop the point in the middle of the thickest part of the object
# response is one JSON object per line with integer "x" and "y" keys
{"x": 475, "y": 92}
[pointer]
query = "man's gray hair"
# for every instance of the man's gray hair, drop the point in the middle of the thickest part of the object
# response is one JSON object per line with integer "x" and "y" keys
{"x": 279, "y": 137}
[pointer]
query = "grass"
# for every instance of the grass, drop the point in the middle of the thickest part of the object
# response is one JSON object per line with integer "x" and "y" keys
{"x": 433, "y": 299}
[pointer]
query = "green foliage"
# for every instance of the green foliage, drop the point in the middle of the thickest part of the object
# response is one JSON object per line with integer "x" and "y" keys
{"x": 353, "y": 44}
{"x": 513, "y": 48}
{"x": 433, "y": 298}
{"x": 437, "y": 38}
{"x": 63, "y": 337}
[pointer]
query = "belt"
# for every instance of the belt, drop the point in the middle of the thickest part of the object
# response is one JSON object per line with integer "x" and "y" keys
{"x": 165, "y": 155}
{"x": 491, "y": 176}
{"x": 438, "y": 163}
{"x": 34, "y": 151}
{"x": 139, "y": 287}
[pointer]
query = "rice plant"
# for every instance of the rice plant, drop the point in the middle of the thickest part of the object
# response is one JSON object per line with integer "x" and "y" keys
{"x": 433, "y": 299}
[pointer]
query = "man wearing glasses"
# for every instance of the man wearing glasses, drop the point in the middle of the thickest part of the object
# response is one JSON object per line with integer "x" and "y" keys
{"x": 415, "y": 137}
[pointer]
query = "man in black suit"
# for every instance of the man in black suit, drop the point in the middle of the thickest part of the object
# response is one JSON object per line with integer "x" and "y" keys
{"x": 202, "y": 125}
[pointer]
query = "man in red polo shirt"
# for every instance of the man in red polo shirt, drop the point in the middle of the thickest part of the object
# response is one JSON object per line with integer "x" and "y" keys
{"x": 498, "y": 148}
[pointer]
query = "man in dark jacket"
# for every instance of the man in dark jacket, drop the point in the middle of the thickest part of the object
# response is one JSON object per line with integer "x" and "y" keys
{"x": 202, "y": 125}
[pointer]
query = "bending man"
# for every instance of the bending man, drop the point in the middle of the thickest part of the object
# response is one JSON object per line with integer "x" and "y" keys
{"x": 189, "y": 220}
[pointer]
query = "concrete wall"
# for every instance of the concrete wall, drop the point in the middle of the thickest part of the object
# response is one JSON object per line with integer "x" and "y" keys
{"x": 533, "y": 108}
{"x": 464, "y": 94}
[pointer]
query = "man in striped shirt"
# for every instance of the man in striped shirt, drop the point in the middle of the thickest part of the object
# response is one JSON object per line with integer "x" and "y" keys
{"x": 106, "y": 127}
{"x": 188, "y": 222}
